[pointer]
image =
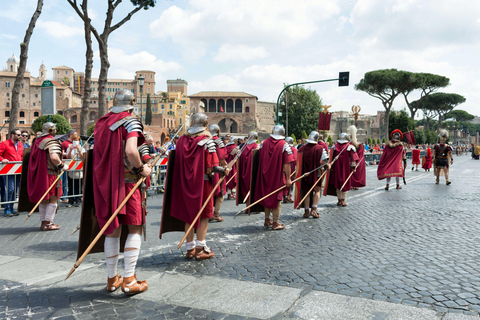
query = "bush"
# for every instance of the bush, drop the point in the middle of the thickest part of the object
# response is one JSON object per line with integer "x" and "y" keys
{"x": 90, "y": 130}
{"x": 62, "y": 124}
{"x": 329, "y": 140}
{"x": 383, "y": 140}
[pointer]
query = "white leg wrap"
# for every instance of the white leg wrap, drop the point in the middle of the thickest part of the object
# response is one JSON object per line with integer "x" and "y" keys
{"x": 43, "y": 209}
{"x": 50, "y": 211}
{"x": 190, "y": 245}
{"x": 112, "y": 249}
{"x": 201, "y": 243}
{"x": 131, "y": 256}
{"x": 388, "y": 180}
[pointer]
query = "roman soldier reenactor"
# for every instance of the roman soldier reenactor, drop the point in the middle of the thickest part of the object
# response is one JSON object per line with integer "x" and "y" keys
{"x": 390, "y": 164}
{"x": 231, "y": 149}
{"x": 415, "y": 158}
{"x": 45, "y": 164}
{"x": 222, "y": 156}
{"x": 442, "y": 153}
{"x": 189, "y": 183}
{"x": 341, "y": 169}
{"x": 288, "y": 191}
{"x": 244, "y": 167}
{"x": 313, "y": 155}
{"x": 117, "y": 166}
{"x": 273, "y": 172}
{"x": 359, "y": 176}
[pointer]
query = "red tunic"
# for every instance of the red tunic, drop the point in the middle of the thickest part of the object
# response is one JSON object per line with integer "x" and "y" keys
{"x": 416, "y": 156}
{"x": 390, "y": 164}
{"x": 222, "y": 188}
{"x": 38, "y": 179}
{"x": 189, "y": 189}
{"x": 341, "y": 168}
{"x": 270, "y": 172}
{"x": 359, "y": 176}
{"x": 233, "y": 182}
{"x": 311, "y": 157}
{"x": 245, "y": 168}
{"x": 109, "y": 185}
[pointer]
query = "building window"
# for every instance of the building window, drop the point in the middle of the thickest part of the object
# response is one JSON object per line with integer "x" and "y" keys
{"x": 66, "y": 71}
{"x": 163, "y": 111}
{"x": 7, "y": 84}
{"x": 148, "y": 89}
{"x": 22, "y": 114}
{"x": 183, "y": 102}
{"x": 36, "y": 114}
{"x": 23, "y": 95}
{"x": 60, "y": 93}
{"x": 8, "y": 94}
{"x": 180, "y": 121}
{"x": 246, "y": 99}
{"x": 36, "y": 95}
{"x": 34, "y": 104}
{"x": 179, "y": 112}
{"x": 163, "y": 106}
{"x": 21, "y": 85}
{"x": 58, "y": 71}
{"x": 8, "y": 104}
{"x": 171, "y": 107}
{"x": 21, "y": 122}
{"x": 133, "y": 90}
{"x": 247, "y": 109}
{"x": 7, "y": 113}
{"x": 73, "y": 119}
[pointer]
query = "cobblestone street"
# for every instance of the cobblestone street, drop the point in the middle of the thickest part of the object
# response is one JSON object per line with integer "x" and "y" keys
{"x": 397, "y": 254}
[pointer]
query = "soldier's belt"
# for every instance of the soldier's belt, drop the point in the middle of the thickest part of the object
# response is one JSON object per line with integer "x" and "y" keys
{"x": 132, "y": 178}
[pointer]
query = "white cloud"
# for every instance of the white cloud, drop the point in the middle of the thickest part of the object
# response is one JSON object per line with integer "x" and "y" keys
{"x": 8, "y": 36}
{"x": 20, "y": 10}
{"x": 59, "y": 30}
{"x": 229, "y": 52}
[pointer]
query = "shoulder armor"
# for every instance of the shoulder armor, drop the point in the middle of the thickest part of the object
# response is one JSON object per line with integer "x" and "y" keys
{"x": 53, "y": 146}
{"x": 286, "y": 148}
{"x": 220, "y": 143}
{"x": 234, "y": 151}
{"x": 130, "y": 123}
{"x": 210, "y": 145}
{"x": 351, "y": 148}
{"x": 42, "y": 144}
{"x": 144, "y": 150}
{"x": 201, "y": 143}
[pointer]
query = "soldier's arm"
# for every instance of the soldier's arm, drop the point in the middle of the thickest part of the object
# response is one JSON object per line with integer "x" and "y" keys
{"x": 134, "y": 157}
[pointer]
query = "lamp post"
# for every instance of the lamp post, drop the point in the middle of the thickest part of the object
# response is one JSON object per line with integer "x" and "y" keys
{"x": 141, "y": 81}
{"x": 286, "y": 111}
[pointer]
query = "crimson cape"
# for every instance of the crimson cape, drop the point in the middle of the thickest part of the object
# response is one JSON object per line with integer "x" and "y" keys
{"x": 311, "y": 157}
{"x": 340, "y": 169}
{"x": 37, "y": 177}
{"x": 244, "y": 166}
{"x": 270, "y": 172}
{"x": 359, "y": 176}
{"x": 428, "y": 162}
{"x": 416, "y": 156}
{"x": 108, "y": 167}
{"x": 233, "y": 182}
{"x": 222, "y": 188}
{"x": 390, "y": 164}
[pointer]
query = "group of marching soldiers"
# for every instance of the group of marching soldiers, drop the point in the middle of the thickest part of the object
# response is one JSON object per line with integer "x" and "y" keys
{"x": 199, "y": 172}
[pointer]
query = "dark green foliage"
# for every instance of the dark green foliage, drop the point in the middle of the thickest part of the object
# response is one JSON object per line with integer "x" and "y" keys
{"x": 304, "y": 135}
{"x": 90, "y": 130}
{"x": 146, "y": 3}
{"x": 329, "y": 140}
{"x": 62, "y": 124}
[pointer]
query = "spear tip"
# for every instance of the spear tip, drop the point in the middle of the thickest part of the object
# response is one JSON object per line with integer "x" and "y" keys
{"x": 71, "y": 271}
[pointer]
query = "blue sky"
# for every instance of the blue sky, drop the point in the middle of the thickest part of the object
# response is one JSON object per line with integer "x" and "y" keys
{"x": 256, "y": 46}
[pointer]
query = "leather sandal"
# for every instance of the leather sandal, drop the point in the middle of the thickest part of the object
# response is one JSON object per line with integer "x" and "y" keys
{"x": 448, "y": 182}
{"x": 48, "y": 226}
{"x": 344, "y": 204}
{"x": 190, "y": 254}
{"x": 136, "y": 287}
{"x": 339, "y": 203}
{"x": 399, "y": 186}
{"x": 114, "y": 283}
{"x": 307, "y": 213}
{"x": 278, "y": 226}
{"x": 386, "y": 187}
{"x": 268, "y": 223}
{"x": 314, "y": 213}
{"x": 289, "y": 198}
{"x": 216, "y": 217}
{"x": 203, "y": 253}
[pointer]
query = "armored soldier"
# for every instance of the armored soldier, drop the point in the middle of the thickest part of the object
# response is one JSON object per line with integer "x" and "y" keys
{"x": 245, "y": 167}
{"x": 441, "y": 156}
{"x": 274, "y": 170}
{"x": 45, "y": 165}
{"x": 312, "y": 156}
{"x": 231, "y": 149}
{"x": 390, "y": 164}
{"x": 117, "y": 166}
{"x": 222, "y": 156}
{"x": 359, "y": 176}
{"x": 189, "y": 183}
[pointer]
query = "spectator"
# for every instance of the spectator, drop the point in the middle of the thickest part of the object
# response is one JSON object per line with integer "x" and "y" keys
{"x": 11, "y": 150}
{"x": 74, "y": 178}
{"x": 158, "y": 146}
{"x": 65, "y": 144}
{"x": 25, "y": 138}
{"x": 151, "y": 147}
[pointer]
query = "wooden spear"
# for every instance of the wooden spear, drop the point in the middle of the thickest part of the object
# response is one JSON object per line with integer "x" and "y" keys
{"x": 248, "y": 194}
{"x": 311, "y": 189}
{"x": 231, "y": 178}
{"x": 351, "y": 173}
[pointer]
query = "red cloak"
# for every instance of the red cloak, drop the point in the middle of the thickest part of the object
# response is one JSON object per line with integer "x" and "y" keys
{"x": 416, "y": 156}
{"x": 189, "y": 189}
{"x": 222, "y": 188}
{"x": 311, "y": 157}
{"x": 293, "y": 164}
{"x": 245, "y": 171}
{"x": 270, "y": 172}
{"x": 108, "y": 168}
{"x": 359, "y": 176}
{"x": 233, "y": 182}
{"x": 341, "y": 168}
{"x": 38, "y": 179}
{"x": 390, "y": 164}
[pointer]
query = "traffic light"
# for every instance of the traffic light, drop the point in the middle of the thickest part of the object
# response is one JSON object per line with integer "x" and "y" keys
{"x": 343, "y": 78}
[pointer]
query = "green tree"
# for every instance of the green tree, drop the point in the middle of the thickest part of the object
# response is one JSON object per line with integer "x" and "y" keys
{"x": 369, "y": 140}
{"x": 400, "y": 120}
{"x": 378, "y": 141}
{"x": 90, "y": 130}
{"x": 61, "y": 123}
{"x": 304, "y": 135}
{"x": 294, "y": 139}
{"x": 459, "y": 115}
{"x": 386, "y": 85}
{"x": 442, "y": 103}
{"x": 148, "y": 112}
{"x": 383, "y": 140}
{"x": 330, "y": 140}
{"x": 303, "y": 108}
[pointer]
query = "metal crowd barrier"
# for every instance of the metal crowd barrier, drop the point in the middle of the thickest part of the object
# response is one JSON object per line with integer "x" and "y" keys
{"x": 157, "y": 177}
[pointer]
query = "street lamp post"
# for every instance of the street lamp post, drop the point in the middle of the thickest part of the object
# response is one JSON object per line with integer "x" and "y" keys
{"x": 286, "y": 111}
{"x": 141, "y": 81}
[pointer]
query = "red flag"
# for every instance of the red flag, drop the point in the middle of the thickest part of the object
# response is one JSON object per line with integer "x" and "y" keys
{"x": 324, "y": 121}
{"x": 221, "y": 109}
{"x": 410, "y": 137}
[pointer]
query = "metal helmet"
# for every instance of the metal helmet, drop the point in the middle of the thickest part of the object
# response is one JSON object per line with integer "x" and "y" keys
{"x": 199, "y": 123}
{"x": 47, "y": 128}
{"x": 289, "y": 140}
{"x": 343, "y": 137}
{"x": 252, "y": 136}
{"x": 313, "y": 137}
{"x": 278, "y": 132}
{"x": 443, "y": 134}
{"x": 214, "y": 129}
{"x": 123, "y": 100}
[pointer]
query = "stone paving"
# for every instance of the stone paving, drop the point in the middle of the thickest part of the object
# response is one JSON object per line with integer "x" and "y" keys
{"x": 414, "y": 247}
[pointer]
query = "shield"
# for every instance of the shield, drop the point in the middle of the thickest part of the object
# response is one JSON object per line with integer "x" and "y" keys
{"x": 24, "y": 204}
{"x": 253, "y": 182}
{"x": 89, "y": 227}
{"x": 329, "y": 189}
{"x": 169, "y": 223}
